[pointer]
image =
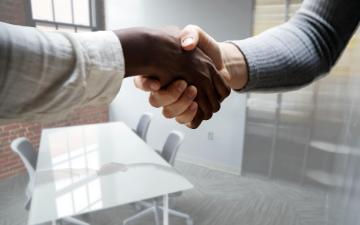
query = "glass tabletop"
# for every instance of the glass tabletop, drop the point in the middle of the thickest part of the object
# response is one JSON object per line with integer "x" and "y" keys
{"x": 86, "y": 168}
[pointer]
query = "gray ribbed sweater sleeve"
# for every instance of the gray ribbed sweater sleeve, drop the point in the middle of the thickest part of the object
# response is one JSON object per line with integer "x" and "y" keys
{"x": 295, "y": 53}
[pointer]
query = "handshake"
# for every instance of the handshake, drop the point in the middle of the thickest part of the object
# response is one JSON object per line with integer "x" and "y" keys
{"x": 188, "y": 73}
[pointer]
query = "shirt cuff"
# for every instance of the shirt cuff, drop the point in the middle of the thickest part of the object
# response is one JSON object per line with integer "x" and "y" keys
{"x": 104, "y": 65}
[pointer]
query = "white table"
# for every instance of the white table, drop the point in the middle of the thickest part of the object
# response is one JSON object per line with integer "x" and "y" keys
{"x": 87, "y": 168}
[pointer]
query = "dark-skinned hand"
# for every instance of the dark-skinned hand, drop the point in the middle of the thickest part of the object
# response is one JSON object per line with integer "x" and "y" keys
{"x": 159, "y": 55}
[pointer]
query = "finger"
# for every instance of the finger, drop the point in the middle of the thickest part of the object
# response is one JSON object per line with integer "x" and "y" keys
{"x": 210, "y": 93}
{"x": 168, "y": 95}
{"x": 189, "y": 37}
{"x": 193, "y": 36}
{"x": 146, "y": 84}
{"x": 221, "y": 85}
{"x": 195, "y": 123}
{"x": 219, "y": 82}
{"x": 210, "y": 90}
{"x": 213, "y": 99}
{"x": 188, "y": 115}
{"x": 204, "y": 104}
{"x": 178, "y": 107}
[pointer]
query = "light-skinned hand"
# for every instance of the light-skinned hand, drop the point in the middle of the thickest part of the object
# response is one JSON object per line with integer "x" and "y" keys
{"x": 177, "y": 99}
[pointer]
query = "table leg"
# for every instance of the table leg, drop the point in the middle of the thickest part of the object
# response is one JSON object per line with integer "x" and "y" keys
{"x": 166, "y": 210}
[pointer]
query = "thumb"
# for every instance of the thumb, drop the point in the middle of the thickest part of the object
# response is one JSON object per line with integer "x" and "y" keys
{"x": 189, "y": 37}
{"x": 193, "y": 36}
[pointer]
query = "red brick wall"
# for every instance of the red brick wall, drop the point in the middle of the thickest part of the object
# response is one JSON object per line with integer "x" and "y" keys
{"x": 10, "y": 163}
{"x": 14, "y": 11}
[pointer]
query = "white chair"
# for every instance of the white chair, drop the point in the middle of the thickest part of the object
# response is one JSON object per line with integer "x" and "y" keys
{"x": 24, "y": 149}
{"x": 143, "y": 125}
{"x": 169, "y": 152}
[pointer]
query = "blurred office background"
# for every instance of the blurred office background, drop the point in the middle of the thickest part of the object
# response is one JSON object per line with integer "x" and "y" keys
{"x": 282, "y": 158}
{"x": 310, "y": 136}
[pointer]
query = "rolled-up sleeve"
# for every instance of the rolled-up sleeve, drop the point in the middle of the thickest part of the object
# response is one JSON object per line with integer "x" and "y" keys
{"x": 44, "y": 75}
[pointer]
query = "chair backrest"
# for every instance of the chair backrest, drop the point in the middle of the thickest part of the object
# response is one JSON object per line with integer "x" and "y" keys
{"x": 171, "y": 146}
{"x": 27, "y": 153}
{"x": 143, "y": 125}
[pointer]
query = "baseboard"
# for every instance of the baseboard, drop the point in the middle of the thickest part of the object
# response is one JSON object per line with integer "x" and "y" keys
{"x": 209, "y": 164}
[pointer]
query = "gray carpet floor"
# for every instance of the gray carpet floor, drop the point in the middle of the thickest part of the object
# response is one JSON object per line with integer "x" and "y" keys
{"x": 217, "y": 199}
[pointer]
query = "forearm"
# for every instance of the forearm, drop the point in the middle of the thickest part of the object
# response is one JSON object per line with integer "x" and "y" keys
{"x": 294, "y": 54}
{"x": 44, "y": 74}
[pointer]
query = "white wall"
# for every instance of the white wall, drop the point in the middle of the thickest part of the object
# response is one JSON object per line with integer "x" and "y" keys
{"x": 224, "y": 19}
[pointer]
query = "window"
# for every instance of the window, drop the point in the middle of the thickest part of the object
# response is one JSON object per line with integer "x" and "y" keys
{"x": 66, "y": 15}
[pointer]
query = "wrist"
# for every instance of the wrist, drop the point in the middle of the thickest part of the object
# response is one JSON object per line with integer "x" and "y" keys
{"x": 136, "y": 45}
{"x": 235, "y": 63}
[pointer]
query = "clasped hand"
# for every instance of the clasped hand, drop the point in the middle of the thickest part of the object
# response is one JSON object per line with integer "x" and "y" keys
{"x": 168, "y": 63}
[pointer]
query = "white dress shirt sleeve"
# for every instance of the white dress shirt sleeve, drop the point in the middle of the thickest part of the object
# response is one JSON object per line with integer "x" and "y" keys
{"x": 44, "y": 75}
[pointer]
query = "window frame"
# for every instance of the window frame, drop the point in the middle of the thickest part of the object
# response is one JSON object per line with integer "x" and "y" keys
{"x": 96, "y": 13}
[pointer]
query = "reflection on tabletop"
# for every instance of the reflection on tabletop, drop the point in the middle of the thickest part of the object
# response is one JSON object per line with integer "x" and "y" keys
{"x": 47, "y": 176}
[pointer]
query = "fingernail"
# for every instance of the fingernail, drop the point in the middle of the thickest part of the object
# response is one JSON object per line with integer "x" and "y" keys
{"x": 181, "y": 86}
{"x": 154, "y": 86}
{"x": 188, "y": 41}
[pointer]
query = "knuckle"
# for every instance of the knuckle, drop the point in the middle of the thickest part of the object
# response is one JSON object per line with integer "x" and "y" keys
{"x": 137, "y": 82}
{"x": 217, "y": 107}
{"x": 153, "y": 101}
{"x": 192, "y": 26}
{"x": 227, "y": 92}
{"x": 195, "y": 124}
{"x": 174, "y": 93}
{"x": 174, "y": 96}
{"x": 167, "y": 113}
{"x": 207, "y": 115}
{"x": 225, "y": 95}
{"x": 141, "y": 81}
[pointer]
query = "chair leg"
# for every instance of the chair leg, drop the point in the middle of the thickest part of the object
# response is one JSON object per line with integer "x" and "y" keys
{"x": 138, "y": 215}
{"x": 156, "y": 213}
{"x": 28, "y": 204}
{"x": 188, "y": 219}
